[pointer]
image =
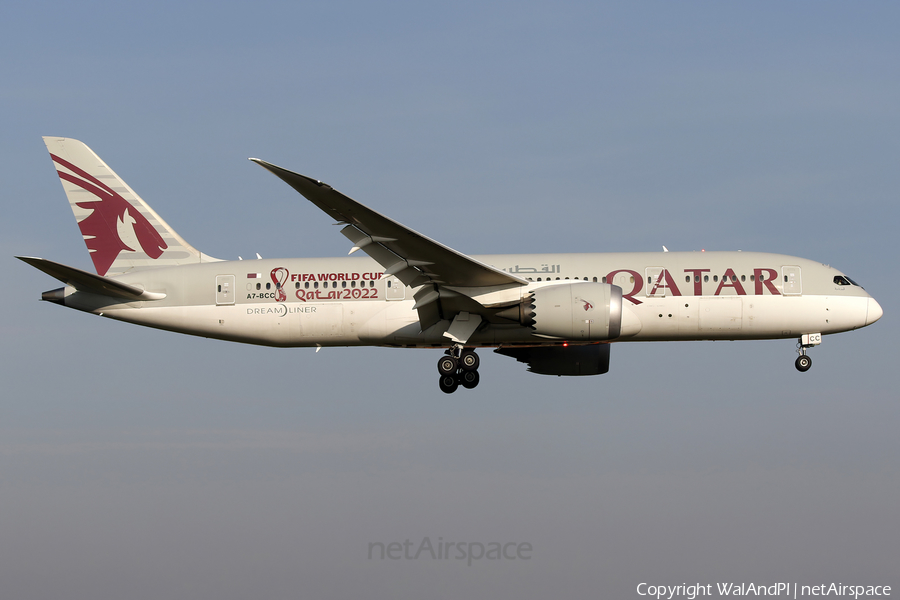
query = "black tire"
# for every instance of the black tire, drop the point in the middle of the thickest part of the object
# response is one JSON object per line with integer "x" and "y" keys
{"x": 469, "y": 361}
{"x": 469, "y": 379}
{"x": 447, "y": 365}
{"x": 448, "y": 384}
{"x": 803, "y": 363}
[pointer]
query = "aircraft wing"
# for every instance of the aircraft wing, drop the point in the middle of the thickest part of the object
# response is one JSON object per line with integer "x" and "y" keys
{"x": 408, "y": 255}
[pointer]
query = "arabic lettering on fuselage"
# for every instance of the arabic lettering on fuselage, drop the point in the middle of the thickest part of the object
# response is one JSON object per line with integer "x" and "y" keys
{"x": 545, "y": 269}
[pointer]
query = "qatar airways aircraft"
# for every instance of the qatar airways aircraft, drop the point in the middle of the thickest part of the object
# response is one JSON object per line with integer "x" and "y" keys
{"x": 559, "y": 313}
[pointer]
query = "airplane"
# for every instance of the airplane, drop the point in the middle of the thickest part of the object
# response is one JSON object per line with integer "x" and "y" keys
{"x": 557, "y": 313}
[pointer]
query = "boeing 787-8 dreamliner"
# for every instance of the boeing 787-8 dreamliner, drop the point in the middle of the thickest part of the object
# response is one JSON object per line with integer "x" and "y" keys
{"x": 559, "y": 313}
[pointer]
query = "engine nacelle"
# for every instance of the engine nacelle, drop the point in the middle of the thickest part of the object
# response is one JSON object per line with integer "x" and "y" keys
{"x": 576, "y": 311}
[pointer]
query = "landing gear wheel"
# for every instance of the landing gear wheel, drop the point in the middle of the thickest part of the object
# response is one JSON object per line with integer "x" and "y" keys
{"x": 803, "y": 363}
{"x": 469, "y": 379}
{"x": 448, "y": 383}
{"x": 469, "y": 361}
{"x": 447, "y": 366}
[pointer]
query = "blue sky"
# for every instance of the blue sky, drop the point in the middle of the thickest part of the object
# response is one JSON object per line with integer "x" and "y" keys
{"x": 139, "y": 464}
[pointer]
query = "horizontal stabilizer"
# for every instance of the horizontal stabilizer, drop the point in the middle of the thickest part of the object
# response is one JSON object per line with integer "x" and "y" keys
{"x": 88, "y": 282}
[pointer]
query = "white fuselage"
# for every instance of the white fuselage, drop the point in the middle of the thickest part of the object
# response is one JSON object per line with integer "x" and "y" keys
{"x": 348, "y": 301}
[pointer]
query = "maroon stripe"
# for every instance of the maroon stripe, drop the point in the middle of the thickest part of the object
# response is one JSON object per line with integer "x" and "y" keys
{"x": 79, "y": 172}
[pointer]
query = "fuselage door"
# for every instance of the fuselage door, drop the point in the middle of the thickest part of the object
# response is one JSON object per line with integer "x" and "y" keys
{"x": 394, "y": 289}
{"x": 791, "y": 284}
{"x": 224, "y": 289}
{"x": 656, "y": 282}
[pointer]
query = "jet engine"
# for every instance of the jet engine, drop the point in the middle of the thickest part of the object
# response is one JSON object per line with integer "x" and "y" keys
{"x": 581, "y": 311}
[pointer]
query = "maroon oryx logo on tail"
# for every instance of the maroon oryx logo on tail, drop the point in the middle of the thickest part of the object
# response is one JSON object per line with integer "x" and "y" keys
{"x": 111, "y": 219}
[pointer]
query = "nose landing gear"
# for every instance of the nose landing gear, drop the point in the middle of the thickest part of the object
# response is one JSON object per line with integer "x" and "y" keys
{"x": 458, "y": 367}
{"x": 807, "y": 340}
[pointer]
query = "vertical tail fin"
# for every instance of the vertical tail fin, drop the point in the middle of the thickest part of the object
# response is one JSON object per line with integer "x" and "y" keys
{"x": 120, "y": 230}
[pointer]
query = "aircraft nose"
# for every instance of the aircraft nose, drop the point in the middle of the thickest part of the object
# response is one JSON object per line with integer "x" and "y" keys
{"x": 874, "y": 312}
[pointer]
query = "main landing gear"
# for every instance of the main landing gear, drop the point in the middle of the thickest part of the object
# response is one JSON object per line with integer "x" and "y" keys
{"x": 807, "y": 340}
{"x": 458, "y": 367}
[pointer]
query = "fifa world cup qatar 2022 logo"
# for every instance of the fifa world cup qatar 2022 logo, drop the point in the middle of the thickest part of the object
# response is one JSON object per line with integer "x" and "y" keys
{"x": 279, "y": 277}
{"x": 322, "y": 286}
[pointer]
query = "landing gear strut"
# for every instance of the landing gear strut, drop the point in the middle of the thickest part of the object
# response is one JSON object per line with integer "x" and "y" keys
{"x": 459, "y": 366}
{"x": 807, "y": 340}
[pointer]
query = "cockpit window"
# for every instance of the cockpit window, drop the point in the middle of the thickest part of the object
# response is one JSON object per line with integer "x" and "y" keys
{"x": 844, "y": 280}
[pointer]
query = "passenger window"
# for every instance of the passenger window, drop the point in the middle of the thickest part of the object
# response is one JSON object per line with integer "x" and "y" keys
{"x": 706, "y": 279}
{"x": 604, "y": 280}
{"x": 306, "y": 285}
{"x": 389, "y": 283}
{"x": 715, "y": 277}
{"x": 343, "y": 284}
{"x": 595, "y": 280}
{"x": 743, "y": 278}
{"x": 316, "y": 284}
{"x": 220, "y": 288}
{"x": 268, "y": 286}
{"x": 687, "y": 278}
{"x": 258, "y": 286}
